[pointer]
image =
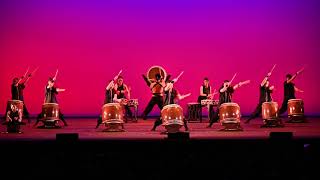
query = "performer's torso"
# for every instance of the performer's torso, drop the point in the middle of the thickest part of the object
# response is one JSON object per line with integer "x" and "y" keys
{"x": 289, "y": 90}
{"x": 51, "y": 95}
{"x": 265, "y": 94}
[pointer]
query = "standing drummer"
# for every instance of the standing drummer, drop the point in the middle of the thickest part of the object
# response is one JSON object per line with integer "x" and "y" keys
{"x": 206, "y": 93}
{"x": 50, "y": 97}
{"x": 289, "y": 91}
{"x": 265, "y": 96}
{"x": 157, "y": 88}
{"x": 17, "y": 87}
{"x": 225, "y": 96}
{"x": 171, "y": 97}
{"x": 109, "y": 95}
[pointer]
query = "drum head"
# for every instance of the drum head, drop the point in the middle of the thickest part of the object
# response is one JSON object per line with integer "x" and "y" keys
{"x": 295, "y": 100}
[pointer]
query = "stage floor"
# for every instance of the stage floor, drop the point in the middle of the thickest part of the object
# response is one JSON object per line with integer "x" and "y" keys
{"x": 85, "y": 127}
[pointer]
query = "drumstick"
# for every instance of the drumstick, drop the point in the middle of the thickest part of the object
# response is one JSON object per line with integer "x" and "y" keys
{"x": 233, "y": 78}
{"x": 55, "y": 76}
{"x": 35, "y": 70}
{"x": 273, "y": 68}
{"x": 180, "y": 75}
{"x": 26, "y": 72}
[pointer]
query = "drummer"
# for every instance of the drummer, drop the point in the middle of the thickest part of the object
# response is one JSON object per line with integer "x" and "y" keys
{"x": 50, "y": 97}
{"x": 17, "y": 87}
{"x": 14, "y": 118}
{"x": 109, "y": 95}
{"x": 265, "y": 96}
{"x": 225, "y": 96}
{"x": 156, "y": 86}
{"x": 289, "y": 91}
{"x": 172, "y": 96}
{"x": 206, "y": 93}
{"x": 122, "y": 95}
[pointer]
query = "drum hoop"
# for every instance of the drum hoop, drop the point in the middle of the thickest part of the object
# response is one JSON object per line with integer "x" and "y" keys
{"x": 232, "y": 104}
{"x": 270, "y": 102}
{"x": 13, "y": 100}
{"x": 171, "y": 106}
{"x": 293, "y": 100}
{"x": 111, "y": 104}
{"x": 50, "y": 104}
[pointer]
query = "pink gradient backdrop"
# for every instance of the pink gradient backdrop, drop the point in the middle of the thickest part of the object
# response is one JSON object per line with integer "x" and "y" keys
{"x": 90, "y": 41}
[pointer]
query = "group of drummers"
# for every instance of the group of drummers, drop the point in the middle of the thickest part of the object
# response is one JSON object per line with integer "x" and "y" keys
{"x": 116, "y": 109}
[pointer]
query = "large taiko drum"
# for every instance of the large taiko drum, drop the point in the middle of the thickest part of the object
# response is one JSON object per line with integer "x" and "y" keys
{"x": 229, "y": 114}
{"x": 50, "y": 111}
{"x": 295, "y": 107}
{"x": 172, "y": 117}
{"x": 112, "y": 113}
{"x": 269, "y": 110}
{"x": 17, "y": 103}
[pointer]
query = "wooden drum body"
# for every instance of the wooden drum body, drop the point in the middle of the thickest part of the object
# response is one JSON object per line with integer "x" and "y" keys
{"x": 269, "y": 110}
{"x": 112, "y": 113}
{"x": 229, "y": 114}
{"x": 50, "y": 111}
{"x": 172, "y": 117}
{"x": 295, "y": 107}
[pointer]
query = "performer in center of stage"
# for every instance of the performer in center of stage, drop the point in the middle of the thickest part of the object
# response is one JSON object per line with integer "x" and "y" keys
{"x": 265, "y": 96}
{"x": 206, "y": 93}
{"x": 122, "y": 95}
{"x": 157, "y": 88}
{"x": 289, "y": 91}
{"x": 50, "y": 97}
{"x": 225, "y": 96}
{"x": 109, "y": 95}
{"x": 172, "y": 96}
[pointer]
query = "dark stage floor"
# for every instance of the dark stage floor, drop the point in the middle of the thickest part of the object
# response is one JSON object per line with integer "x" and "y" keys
{"x": 141, "y": 131}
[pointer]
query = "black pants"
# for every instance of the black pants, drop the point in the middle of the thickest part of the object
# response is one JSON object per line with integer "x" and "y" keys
{"x": 158, "y": 122}
{"x": 128, "y": 111}
{"x": 99, "y": 121}
{"x": 284, "y": 106}
{"x": 256, "y": 113}
{"x": 13, "y": 127}
{"x": 155, "y": 100}
{"x": 211, "y": 110}
{"x": 215, "y": 117}
{"x": 61, "y": 117}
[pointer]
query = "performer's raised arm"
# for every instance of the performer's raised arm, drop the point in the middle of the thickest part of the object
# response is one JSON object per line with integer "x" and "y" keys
{"x": 295, "y": 75}
{"x": 241, "y": 84}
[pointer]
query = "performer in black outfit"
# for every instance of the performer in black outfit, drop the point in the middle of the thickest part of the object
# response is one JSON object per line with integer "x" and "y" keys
{"x": 14, "y": 118}
{"x": 157, "y": 88}
{"x": 120, "y": 96}
{"x": 205, "y": 93}
{"x": 50, "y": 97}
{"x": 225, "y": 96}
{"x": 289, "y": 91}
{"x": 109, "y": 95}
{"x": 265, "y": 96}
{"x": 171, "y": 97}
{"x": 17, "y": 87}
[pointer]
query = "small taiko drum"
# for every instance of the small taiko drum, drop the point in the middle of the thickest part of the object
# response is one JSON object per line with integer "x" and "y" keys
{"x": 50, "y": 111}
{"x": 112, "y": 113}
{"x": 17, "y": 103}
{"x": 269, "y": 110}
{"x": 172, "y": 117}
{"x": 295, "y": 107}
{"x": 133, "y": 102}
{"x": 206, "y": 102}
{"x": 229, "y": 114}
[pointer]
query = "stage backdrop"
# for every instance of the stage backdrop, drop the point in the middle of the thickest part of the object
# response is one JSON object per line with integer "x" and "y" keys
{"x": 89, "y": 41}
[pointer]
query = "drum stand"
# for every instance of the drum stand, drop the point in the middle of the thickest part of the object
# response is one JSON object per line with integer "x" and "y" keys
{"x": 49, "y": 124}
{"x": 272, "y": 123}
{"x": 296, "y": 119}
{"x": 114, "y": 127}
{"x": 231, "y": 125}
